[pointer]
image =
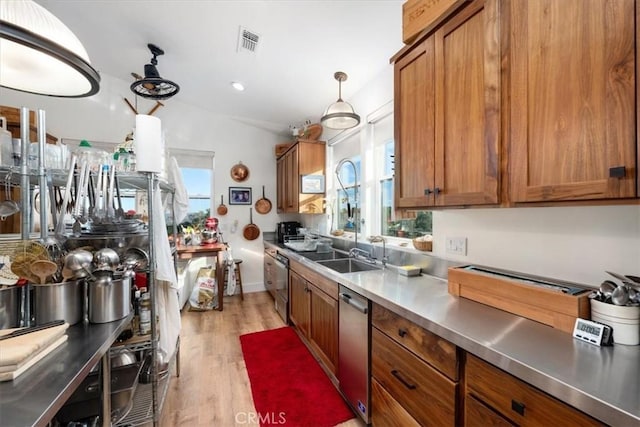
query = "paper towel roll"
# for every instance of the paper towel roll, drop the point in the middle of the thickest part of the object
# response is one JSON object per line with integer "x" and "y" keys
{"x": 147, "y": 143}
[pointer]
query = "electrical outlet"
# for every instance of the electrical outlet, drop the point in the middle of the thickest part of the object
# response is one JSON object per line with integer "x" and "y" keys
{"x": 456, "y": 245}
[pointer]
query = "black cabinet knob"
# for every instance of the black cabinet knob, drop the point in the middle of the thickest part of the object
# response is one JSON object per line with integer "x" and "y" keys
{"x": 436, "y": 191}
{"x": 427, "y": 191}
{"x": 402, "y": 332}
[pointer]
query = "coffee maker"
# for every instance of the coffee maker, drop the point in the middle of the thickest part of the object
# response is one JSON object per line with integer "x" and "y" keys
{"x": 287, "y": 228}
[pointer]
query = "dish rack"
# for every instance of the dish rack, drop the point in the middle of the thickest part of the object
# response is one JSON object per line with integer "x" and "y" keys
{"x": 305, "y": 242}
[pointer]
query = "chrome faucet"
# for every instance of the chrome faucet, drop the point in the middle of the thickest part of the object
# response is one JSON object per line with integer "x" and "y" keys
{"x": 354, "y": 252}
{"x": 355, "y": 194}
{"x": 376, "y": 239}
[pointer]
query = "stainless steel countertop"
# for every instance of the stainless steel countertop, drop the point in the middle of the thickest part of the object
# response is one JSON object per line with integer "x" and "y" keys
{"x": 35, "y": 397}
{"x": 603, "y": 382}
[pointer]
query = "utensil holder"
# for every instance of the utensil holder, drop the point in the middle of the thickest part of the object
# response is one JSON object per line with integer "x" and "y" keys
{"x": 625, "y": 321}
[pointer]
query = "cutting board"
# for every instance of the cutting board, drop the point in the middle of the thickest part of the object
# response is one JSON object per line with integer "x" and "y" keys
{"x": 22, "y": 367}
{"x": 16, "y": 351}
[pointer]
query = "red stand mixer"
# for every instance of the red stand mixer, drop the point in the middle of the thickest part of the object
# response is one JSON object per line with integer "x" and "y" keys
{"x": 210, "y": 234}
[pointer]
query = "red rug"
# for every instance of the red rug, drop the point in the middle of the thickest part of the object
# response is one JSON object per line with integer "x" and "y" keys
{"x": 289, "y": 387}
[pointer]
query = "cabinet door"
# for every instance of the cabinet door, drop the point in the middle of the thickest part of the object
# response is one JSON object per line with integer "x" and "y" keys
{"x": 572, "y": 90}
{"x": 324, "y": 326}
{"x": 476, "y": 414}
{"x": 293, "y": 181}
{"x": 281, "y": 184}
{"x": 299, "y": 302}
{"x": 386, "y": 411}
{"x": 467, "y": 107}
{"x": 415, "y": 127}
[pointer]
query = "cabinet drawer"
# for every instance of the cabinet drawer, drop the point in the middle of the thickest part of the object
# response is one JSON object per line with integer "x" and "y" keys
{"x": 521, "y": 403}
{"x": 426, "y": 394}
{"x": 476, "y": 414}
{"x": 435, "y": 350}
{"x": 327, "y": 286}
{"x": 386, "y": 411}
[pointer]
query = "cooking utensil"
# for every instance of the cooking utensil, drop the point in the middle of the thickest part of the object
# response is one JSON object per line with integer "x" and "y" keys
{"x": 263, "y": 206}
{"x": 119, "y": 211}
{"x": 24, "y": 255}
{"x": 239, "y": 172}
{"x": 620, "y": 277}
{"x": 43, "y": 269}
{"x": 135, "y": 258}
{"x": 607, "y": 287}
{"x": 620, "y": 295}
{"x": 222, "y": 209}
{"x": 251, "y": 231}
{"x": 106, "y": 259}
{"x": 78, "y": 262}
{"x": 313, "y": 132}
{"x": 67, "y": 195}
{"x": 8, "y": 207}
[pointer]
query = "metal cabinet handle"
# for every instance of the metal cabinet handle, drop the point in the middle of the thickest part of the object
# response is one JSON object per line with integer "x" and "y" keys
{"x": 402, "y": 332}
{"x": 436, "y": 191}
{"x": 518, "y": 407}
{"x": 427, "y": 191}
{"x": 617, "y": 172}
{"x": 404, "y": 382}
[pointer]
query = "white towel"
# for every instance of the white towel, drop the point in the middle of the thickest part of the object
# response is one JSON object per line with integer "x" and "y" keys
{"x": 166, "y": 281}
{"x": 180, "y": 196}
{"x": 231, "y": 271}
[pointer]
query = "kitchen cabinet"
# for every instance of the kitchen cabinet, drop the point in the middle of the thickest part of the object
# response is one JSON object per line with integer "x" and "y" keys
{"x": 303, "y": 158}
{"x": 415, "y": 372}
{"x": 512, "y": 400}
{"x": 313, "y": 306}
{"x": 447, "y": 113}
{"x": 572, "y": 84}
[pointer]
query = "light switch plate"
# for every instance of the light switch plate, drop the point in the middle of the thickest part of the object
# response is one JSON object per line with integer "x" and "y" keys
{"x": 456, "y": 245}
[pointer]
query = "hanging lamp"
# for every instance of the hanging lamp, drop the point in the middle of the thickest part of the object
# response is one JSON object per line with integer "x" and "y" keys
{"x": 340, "y": 114}
{"x": 41, "y": 55}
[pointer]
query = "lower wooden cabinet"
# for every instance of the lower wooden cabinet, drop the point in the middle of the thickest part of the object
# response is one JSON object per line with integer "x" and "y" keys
{"x": 515, "y": 400}
{"x": 406, "y": 388}
{"x": 388, "y": 412}
{"x": 315, "y": 314}
{"x": 476, "y": 414}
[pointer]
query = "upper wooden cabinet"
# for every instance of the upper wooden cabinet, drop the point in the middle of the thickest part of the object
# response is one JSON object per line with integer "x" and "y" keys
{"x": 303, "y": 158}
{"x": 572, "y": 88}
{"x": 515, "y": 101}
{"x": 447, "y": 113}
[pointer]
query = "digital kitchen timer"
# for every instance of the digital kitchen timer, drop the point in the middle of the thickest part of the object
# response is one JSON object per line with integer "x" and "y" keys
{"x": 593, "y": 332}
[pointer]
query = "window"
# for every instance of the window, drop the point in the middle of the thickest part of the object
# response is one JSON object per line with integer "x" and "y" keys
{"x": 198, "y": 183}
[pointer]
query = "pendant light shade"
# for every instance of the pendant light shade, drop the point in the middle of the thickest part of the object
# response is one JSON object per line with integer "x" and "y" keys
{"x": 40, "y": 55}
{"x": 340, "y": 114}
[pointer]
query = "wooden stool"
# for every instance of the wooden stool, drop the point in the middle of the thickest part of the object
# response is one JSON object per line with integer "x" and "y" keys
{"x": 236, "y": 267}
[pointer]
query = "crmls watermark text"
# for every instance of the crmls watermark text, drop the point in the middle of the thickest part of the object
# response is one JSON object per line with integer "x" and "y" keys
{"x": 259, "y": 418}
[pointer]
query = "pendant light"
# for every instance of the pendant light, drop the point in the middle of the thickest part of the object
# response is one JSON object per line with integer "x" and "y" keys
{"x": 340, "y": 114}
{"x": 40, "y": 55}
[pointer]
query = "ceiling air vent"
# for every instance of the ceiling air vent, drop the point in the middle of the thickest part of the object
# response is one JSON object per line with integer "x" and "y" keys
{"x": 247, "y": 40}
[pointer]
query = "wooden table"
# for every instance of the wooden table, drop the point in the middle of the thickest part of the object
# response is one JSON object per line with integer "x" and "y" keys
{"x": 213, "y": 249}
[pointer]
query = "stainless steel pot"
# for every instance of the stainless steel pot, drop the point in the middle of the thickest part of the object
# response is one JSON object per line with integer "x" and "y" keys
{"x": 109, "y": 299}
{"x": 54, "y": 301}
{"x": 10, "y": 307}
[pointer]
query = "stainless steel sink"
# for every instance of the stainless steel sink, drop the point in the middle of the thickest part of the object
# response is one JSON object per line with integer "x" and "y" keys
{"x": 324, "y": 256}
{"x": 348, "y": 265}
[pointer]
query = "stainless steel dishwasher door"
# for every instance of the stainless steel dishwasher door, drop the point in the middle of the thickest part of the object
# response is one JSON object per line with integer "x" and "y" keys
{"x": 354, "y": 350}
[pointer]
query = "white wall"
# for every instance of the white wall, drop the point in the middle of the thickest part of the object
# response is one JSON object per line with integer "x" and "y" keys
{"x": 571, "y": 243}
{"x": 105, "y": 117}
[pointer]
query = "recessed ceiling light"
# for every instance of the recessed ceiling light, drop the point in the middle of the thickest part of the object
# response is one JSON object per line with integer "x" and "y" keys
{"x": 237, "y": 86}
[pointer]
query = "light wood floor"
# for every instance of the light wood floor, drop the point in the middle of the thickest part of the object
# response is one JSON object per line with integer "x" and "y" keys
{"x": 213, "y": 387}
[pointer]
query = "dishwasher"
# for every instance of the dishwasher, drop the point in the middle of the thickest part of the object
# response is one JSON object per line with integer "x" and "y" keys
{"x": 354, "y": 350}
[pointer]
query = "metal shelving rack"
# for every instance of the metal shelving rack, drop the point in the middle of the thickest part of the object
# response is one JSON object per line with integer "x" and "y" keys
{"x": 149, "y": 399}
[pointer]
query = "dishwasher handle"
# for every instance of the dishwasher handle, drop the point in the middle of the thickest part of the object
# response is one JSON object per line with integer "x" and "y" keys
{"x": 354, "y": 303}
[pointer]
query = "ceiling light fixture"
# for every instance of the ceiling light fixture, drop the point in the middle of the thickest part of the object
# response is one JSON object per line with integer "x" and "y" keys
{"x": 237, "y": 86}
{"x": 152, "y": 86}
{"x": 340, "y": 114}
{"x": 41, "y": 55}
